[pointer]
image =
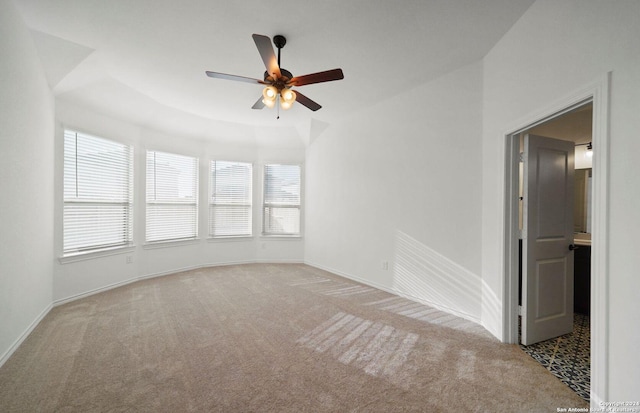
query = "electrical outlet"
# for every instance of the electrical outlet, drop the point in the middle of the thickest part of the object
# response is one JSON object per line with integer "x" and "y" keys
{"x": 129, "y": 259}
{"x": 385, "y": 265}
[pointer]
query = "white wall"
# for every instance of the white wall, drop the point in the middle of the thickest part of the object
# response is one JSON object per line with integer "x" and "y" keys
{"x": 26, "y": 183}
{"x": 73, "y": 279}
{"x": 554, "y": 50}
{"x": 400, "y": 182}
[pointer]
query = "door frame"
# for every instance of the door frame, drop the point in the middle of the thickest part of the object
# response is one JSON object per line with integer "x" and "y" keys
{"x": 596, "y": 92}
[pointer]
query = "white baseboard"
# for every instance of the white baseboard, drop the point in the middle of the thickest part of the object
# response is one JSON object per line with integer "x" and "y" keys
{"x": 79, "y": 296}
{"x": 597, "y": 403}
{"x": 282, "y": 261}
{"x": 174, "y": 271}
{"x": 85, "y": 294}
{"x": 99, "y": 290}
{"x": 396, "y": 292}
{"x": 24, "y": 335}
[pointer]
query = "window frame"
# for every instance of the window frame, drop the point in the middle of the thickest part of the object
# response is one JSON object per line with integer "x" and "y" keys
{"x": 155, "y": 243}
{"x": 127, "y": 227}
{"x": 212, "y": 204}
{"x": 297, "y": 206}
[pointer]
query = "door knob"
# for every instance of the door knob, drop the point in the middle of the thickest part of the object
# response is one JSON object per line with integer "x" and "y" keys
{"x": 573, "y": 247}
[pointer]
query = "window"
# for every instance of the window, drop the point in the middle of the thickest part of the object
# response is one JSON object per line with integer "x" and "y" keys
{"x": 172, "y": 197}
{"x": 98, "y": 188}
{"x": 281, "y": 208}
{"x": 230, "y": 199}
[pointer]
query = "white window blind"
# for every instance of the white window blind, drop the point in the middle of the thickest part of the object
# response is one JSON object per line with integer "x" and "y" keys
{"x": 281, "y": 207}
{"x": 172, "y": 197}
{"x": 98, "y": 189}
{"x": 230, "y": 199}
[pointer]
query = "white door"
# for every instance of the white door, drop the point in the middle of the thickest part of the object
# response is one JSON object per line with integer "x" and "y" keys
{"x": 547, "y": 239}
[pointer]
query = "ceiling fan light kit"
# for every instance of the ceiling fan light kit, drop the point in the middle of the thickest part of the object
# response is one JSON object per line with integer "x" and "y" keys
{"x": 278, "y": 81}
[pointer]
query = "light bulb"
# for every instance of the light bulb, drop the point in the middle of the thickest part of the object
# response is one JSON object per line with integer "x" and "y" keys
{"x": 269, "y": 103}
{"x": 288, "y": 95}
{"x": 270, "y": 93}
{"x": 285, "y": 105}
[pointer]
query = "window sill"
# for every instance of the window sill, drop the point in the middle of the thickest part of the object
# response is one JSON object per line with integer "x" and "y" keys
{"x": 169, "y": 244}
{"x": 281, "y": 237}
{"x": 90, "y": 255}
{"x": 237, "y": 238}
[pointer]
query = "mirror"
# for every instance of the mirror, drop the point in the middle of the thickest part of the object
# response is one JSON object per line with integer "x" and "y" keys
{"x": 582, "y": 202}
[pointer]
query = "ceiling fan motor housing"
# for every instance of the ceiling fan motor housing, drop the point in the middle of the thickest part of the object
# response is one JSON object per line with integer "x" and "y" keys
{"x": 284, "y": 72}
{"x": 279, "y": 41}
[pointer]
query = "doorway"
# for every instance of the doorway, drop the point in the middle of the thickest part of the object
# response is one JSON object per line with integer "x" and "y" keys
{"x": 596, "y": 93}
{"x": 556, "y": 240}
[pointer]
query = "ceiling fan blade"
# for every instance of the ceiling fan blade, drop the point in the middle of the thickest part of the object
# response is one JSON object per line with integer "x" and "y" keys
{"x": 303, "y": 100}
{"x": 259, "y": 104}
{"x": 326, "y": 76}
{"x": 263, "y": 43}
{"x": 234, "y": 77}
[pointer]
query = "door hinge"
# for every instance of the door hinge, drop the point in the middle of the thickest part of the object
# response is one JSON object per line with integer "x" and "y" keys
{"x": 519, "y": 310}
{"x": 522, "y": 157}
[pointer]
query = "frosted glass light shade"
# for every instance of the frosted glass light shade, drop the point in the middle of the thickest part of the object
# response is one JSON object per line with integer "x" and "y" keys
{"x": 270, "y": 103}
{"x": 270, "y": 93}
{"x": 288, "y": 95}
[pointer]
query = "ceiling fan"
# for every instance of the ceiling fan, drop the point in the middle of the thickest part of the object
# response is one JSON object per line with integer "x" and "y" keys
{"x": 279, "y": 81}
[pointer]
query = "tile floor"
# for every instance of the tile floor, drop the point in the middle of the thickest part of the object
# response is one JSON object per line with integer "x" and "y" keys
{"x": 568, "y": 357}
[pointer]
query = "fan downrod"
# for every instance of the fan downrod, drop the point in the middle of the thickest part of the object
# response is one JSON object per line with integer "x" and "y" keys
{"x": 279, "y": 41}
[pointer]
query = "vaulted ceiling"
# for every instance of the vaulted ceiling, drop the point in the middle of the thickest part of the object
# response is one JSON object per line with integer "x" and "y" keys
{"x": 144, "y": 61}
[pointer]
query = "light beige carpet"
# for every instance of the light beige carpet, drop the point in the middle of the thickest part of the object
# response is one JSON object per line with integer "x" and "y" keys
{"x": 267, "y": 338}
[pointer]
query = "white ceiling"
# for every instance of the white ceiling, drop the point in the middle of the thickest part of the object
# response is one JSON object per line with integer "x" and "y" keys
{"x": 143, "y": 61}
